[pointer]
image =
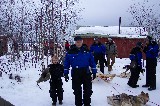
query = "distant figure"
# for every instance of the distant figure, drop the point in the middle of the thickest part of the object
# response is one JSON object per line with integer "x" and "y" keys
{"x": 45, "y": 47}
{"x": 35, "y": 47}
{"x": 151, "y": 50}
{"x": 1, "y": 48}
{"x": 67, "y": 45}
{"x": 15, "y": 46}
{"x": 111, "y": 53}
{"x": 99, "y": 51}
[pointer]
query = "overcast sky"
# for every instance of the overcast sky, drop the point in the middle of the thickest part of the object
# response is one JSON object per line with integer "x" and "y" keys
{"x": 106, "y": 12}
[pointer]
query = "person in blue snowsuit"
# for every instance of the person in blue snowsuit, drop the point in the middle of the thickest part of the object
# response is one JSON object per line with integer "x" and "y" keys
{"x": 136, "y": 56}
{"x": 80, "y": 59}
{"x": 151, "y": 50}
{"x": 99, "y": 51}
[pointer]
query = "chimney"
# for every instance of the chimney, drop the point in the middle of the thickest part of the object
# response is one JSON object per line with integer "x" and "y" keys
{"x": 119, "y": 25}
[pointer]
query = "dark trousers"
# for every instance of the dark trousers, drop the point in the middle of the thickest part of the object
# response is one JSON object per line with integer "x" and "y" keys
{"x": 56, "y": 90}
{"x": 151, "y": 64}
{"x": 134, "y": 76}
{"x": 79, "y": 78}
{"x": 101, "y": 58}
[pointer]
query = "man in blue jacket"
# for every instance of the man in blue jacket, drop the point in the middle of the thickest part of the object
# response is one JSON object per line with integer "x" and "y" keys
{"x": 136, "y": 57}
{"x": 99, "y": 51}
{"x": 151, "y": 50}
{"x": 80, "y": 59}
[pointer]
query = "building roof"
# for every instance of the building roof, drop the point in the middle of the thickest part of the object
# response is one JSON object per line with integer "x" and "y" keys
{"x": 112, "y": 31}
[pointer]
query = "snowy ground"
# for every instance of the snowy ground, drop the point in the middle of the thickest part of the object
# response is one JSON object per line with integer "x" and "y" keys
{"x": 27, "y": 92}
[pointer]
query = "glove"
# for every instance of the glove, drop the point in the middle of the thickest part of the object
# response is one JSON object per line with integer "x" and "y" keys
{"x": 94, "y": 76}
{"x": 139, "y": 67}
{"x": 66, "y": 77}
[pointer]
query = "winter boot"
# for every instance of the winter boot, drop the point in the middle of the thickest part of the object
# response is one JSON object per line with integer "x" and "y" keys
{"x": 133, "y": 86}
{"x": 109, "y": 68}
{"x": 60, "y": 102}
{"x": 151, "y": 88}
{"x": 145, "y": 86}
{"x": 54, "y": 104}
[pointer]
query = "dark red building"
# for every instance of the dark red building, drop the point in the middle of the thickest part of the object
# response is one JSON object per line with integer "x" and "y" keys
{"x": 124, "y": 45}
{"x": 125, "y": 41}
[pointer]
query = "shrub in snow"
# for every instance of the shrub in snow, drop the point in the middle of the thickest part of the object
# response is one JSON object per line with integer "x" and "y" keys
{"x": 18, "y": 78}
{"x": 15, "y": 77}
{"x": 10, "y": 76}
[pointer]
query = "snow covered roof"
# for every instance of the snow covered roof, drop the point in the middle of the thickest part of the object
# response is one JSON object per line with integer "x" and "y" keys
{"x": 112, "y": 31}
{"x": 3, "y": 35}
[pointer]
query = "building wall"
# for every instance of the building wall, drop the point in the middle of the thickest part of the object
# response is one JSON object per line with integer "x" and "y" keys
{"x": 124, "y": 45}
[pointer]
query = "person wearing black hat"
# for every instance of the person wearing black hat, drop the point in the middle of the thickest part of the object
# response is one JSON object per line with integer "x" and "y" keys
{"x": 99, "y": 51}
{"x": 136, "y": 65}
{"x": 151, "y": 50}
{"x": 80, "y": 59}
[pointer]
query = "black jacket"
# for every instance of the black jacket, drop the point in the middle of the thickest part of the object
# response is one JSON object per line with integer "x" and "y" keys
{"x": 56, "y": 71}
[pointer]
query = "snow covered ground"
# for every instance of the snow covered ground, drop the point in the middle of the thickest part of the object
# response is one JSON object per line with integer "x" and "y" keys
{"x": 27, "y": 93}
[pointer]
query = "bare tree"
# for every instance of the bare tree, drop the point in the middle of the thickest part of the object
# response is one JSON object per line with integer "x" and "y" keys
{"x": 145, "y": 15}
{"x": 54, "y": 23}
{"x": 25, "y": 20}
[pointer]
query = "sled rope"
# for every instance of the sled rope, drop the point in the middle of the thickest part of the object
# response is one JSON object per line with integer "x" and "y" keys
{"x": 39, "y": 86}
{"x": 134, "y": 93}
{"x": 115, "y": 89}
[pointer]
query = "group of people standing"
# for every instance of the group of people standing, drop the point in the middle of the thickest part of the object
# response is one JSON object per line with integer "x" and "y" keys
{"x": 82, "y": 60}
{"x": 101, "y": 52}
{"x": 151, "y": 50}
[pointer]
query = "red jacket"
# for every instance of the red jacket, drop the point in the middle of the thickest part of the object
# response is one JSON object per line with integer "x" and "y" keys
{"x": 67, "y": 45}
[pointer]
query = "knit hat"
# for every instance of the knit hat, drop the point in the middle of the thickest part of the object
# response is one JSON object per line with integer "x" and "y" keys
{"x": 149, "y": 38}
{"x": 77, "y": 38}
{"x": 139, "y": 44}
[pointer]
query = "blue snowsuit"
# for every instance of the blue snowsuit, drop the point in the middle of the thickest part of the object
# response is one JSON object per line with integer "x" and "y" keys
{"x": 80, "y": 59}
{"x": 99, "y": 51}
{"x": 135, "y": 55}
{"x": 151, "y": 51}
